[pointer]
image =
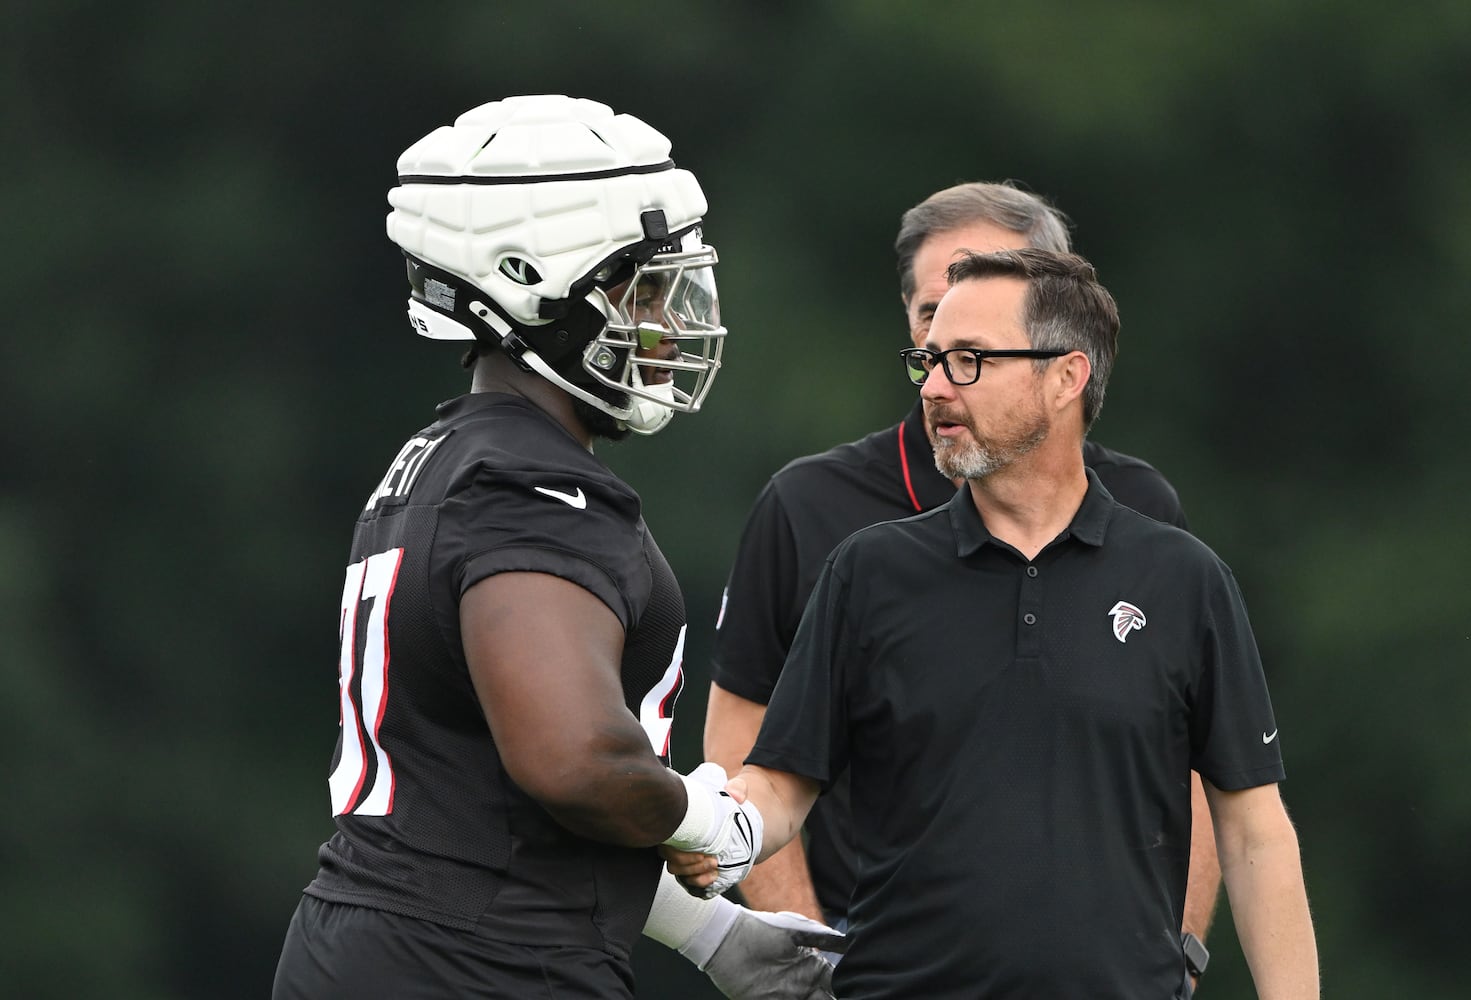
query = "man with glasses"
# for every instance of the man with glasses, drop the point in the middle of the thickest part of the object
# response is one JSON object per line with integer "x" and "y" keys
{"x": 1018, "y": 684}
{"x": 815, "y": 502}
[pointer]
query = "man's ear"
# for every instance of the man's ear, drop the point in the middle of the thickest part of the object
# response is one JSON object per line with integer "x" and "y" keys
{"x": 1070, "y": 374}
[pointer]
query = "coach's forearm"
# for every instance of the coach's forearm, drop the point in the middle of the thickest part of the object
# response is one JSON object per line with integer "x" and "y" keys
{"x": 783, "y": 799}
{"x": 731, "y": 726}
{"x": 783, "y": 881}
{"x": 1262, "y": 866}
{"x": 1273, "y": 923}
{"x": 1203, "y": 886}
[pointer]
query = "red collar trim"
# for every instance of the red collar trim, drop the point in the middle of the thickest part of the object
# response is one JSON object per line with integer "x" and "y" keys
{"x": 904, "y": 468}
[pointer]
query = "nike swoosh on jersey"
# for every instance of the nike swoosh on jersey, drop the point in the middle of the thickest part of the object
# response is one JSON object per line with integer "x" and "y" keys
{"x": 578, "y": 499}
{"x": 1267, "y": 739}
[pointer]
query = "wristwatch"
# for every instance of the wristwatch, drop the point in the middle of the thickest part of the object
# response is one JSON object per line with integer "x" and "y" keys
{"x": 1197, "y": 957}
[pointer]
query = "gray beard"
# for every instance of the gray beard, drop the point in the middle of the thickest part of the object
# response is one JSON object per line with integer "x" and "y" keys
{"x": 974, "y": 460}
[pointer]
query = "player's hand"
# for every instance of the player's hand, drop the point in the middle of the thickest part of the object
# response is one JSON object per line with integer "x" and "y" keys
{"x": 718, "y": 840}
{"x": 689, "y": 866}
{"x": 693, "y": 869}
{"x": 774, "y": 955}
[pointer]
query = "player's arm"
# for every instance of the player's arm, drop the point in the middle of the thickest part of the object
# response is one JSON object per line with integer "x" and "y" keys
{"x": 1262, "y": 868}
{"x": 545, "y": 656}
{"x": 782, "y": 882}
{"x": 746, "y": 953}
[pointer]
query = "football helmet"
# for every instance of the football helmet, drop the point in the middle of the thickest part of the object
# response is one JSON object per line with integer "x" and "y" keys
{"x": 564, "y": 235}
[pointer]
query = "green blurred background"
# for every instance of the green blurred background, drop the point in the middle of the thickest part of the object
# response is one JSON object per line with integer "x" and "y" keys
{"x": 207, "y": 368}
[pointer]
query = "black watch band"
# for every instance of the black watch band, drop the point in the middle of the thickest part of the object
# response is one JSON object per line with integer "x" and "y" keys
{"x": 1197, "y": 957}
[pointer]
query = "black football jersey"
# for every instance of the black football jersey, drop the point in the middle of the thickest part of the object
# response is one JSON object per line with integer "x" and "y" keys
{"x": 429, "y": 824}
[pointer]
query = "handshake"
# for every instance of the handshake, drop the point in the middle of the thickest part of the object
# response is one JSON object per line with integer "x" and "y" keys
{"x": 747, "y": 954}
{"x": 718, "y": 834}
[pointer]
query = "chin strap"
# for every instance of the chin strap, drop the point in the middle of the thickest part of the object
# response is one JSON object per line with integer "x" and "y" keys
{"x": 649, "y": 417}
{"x": 525, "y": 354}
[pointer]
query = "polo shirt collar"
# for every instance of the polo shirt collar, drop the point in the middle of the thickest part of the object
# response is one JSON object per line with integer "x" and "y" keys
{"x": 1089, "y": 525}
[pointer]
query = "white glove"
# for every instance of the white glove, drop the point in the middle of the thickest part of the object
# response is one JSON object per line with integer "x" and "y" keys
{"x": 715, "y": 824}
{"x": 771, "y": 955}
{"x": 748, "y": 954}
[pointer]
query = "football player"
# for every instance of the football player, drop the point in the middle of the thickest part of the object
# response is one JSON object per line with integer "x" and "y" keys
{"x": 511, "y": 635}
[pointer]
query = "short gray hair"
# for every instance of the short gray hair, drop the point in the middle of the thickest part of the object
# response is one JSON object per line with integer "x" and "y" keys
{"x": 1065, "y": 309}
{"x": 1002, "y": 204}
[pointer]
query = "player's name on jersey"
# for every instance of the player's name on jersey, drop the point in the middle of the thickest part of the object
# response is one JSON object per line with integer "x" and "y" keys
{"x": 399, "y": 479}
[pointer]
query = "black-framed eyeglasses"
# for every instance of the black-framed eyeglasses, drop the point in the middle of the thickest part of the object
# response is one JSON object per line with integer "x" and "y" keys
{"x": 962, "y": 364}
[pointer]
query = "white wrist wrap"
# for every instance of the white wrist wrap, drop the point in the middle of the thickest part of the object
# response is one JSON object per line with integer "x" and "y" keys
{"x": 693, "y": 832}
{"x": 693, "y": 927}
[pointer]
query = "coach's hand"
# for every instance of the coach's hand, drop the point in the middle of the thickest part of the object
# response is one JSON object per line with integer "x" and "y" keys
{"x": 774, "y": 955}
{"x": 718, "y": 840}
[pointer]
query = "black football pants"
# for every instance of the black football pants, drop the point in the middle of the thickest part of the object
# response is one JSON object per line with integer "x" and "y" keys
{"x": 339, "y": 952}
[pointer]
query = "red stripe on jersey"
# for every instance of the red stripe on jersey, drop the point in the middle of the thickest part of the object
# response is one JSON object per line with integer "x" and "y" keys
{"x": 383, "y": 703}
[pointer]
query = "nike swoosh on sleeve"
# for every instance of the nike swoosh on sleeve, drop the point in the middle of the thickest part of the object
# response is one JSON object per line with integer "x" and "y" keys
{"x": 578, "y": 499}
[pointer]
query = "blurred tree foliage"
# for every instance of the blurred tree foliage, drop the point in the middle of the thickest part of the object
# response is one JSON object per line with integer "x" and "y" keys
{"x": 208, "y": 368}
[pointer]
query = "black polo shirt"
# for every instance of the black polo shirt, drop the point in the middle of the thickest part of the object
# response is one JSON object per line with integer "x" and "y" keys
{"x": 805, "y": 510}
{"x": 1019, "y": 737}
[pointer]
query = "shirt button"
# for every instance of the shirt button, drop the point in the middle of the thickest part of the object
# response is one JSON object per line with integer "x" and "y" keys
{"x": 1031, "y": 571}
{"x": 1029, "y": 618}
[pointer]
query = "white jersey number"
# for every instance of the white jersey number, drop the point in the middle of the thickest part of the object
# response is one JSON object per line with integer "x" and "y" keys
{"x": 369, "y": 581}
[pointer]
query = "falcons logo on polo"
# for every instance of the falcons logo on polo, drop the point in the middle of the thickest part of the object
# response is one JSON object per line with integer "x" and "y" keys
{"x": 1126, "y": 618}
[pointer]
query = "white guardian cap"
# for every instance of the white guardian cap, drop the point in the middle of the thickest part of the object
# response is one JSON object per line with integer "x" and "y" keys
{"x": 563, "y": 234}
